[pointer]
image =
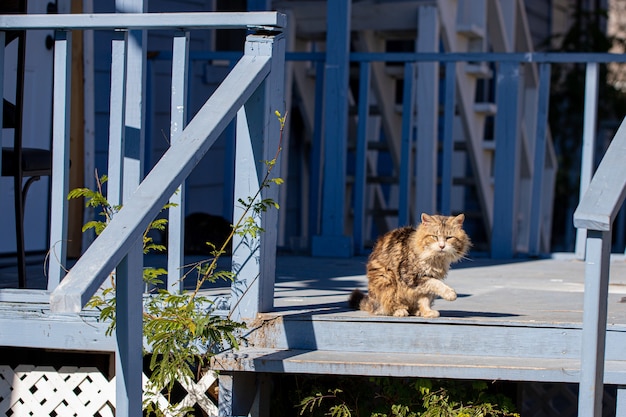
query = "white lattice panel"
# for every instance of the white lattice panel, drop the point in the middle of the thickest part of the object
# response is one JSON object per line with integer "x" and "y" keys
{"x": 31, "y": 390}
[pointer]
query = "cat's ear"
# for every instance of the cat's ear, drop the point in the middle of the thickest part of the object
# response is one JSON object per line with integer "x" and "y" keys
{"x": 426, "y": 218}
{"x": 458, "y": 220}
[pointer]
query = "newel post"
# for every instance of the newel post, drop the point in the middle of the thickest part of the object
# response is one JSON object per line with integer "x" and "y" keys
{"x": 257, "y": 141}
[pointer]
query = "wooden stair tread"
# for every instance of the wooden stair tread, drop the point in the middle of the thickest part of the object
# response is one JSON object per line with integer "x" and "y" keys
{"x": 408, "y": 365}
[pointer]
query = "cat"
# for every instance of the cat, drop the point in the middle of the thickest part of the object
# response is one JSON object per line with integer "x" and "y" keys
{"x": 407, "y": 267}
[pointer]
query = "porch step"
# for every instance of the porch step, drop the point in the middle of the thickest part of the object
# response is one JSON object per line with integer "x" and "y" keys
{"x": 409, "y": 365}
{"x": 500, "y": 337}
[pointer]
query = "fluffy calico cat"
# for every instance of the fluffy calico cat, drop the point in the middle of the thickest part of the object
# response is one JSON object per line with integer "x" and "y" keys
{"x": 407, "y": 267}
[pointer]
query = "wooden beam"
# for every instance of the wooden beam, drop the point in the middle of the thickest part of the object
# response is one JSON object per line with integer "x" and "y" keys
{"x": 258, "y": 134}
{"x": 61, "y": 110}
{"x": 506, "y": 161}
{"x": 332, "y": 241}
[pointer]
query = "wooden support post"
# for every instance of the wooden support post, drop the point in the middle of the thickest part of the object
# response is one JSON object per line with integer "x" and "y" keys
{"x": 258, "y": 133}
{"x": 2, "y": 38}
{"x": 448, "y": 139}
{"x": 589, "y": 144}
{"x": 316, "y": 153}
{"x": 427, "y": 113}
{"x": 406, "y": 146}
{"x": 333, "y": 241}
{"x": 506, "y": 161}
{"x": 60, "y": 157}
{"x": 594, "y": 323}
{"x": 360, "y": 178}
{"x": 620, "y": 405}
{"x": 129, "y": 334}
{"x": 239, "y": 394}
{"x": 178, "y": 119}
{"x": 534, "y": 244}
{"x": 115, "y": 170}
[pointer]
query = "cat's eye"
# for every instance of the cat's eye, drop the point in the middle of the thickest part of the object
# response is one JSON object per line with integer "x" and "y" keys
{"x": 449, "y": 237}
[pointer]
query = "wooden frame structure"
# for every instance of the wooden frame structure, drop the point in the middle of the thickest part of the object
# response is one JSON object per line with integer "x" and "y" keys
{"x": 251, "y": 93}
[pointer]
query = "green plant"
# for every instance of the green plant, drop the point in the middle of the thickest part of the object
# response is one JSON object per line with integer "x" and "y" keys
{"x": 179, "y": 328}
{"x": 403, "y": 397}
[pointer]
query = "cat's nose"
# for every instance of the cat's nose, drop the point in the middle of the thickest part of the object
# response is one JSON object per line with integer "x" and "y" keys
{"x": 442, "y": 245}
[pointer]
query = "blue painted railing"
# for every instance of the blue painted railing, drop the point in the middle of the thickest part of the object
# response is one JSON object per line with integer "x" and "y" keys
{"x": 251, "y": 93}
{"x": 501, "y": 211}
{"x": 596, "y": 213}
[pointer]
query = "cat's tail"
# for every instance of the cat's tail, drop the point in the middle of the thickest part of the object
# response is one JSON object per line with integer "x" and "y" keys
{"x": 360, "y": 301}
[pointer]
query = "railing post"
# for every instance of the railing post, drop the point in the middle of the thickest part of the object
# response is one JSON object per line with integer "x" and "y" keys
{"x": 594, "y": 323}
{"x": 176, "y": 213}
{"x": 257, "y": 141}
{"x": 543, "y": 100}
{"x": 60, "y": 157}
{"x": 115, "y": 169}
{"x": 332, "y": 241}
{"x": 505, "y": 166}
{"x": 427, "y": 114}
{"x": 589, "y": 143}
{"x": 360, "y": 177}
{"x": 448, "y": 139}
{"x": 407, "y": 143}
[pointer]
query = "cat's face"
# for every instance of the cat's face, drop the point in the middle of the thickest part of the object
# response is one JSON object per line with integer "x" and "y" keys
{"x": 443, "y": 237}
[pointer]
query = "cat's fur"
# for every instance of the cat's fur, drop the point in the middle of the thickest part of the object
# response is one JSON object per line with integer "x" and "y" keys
{"x": 407, "y": 267}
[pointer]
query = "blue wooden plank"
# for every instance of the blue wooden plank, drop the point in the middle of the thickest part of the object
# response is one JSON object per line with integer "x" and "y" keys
{"x": 506, "y": 161}
{"x": 589, "y": 144}
{"x": 315, "y": 174}
{"x": 360, "y": 178}
{"x": 332, "y": 241}
{"x": 258, "y": 135}
{"x": 61, "y": 111}
{"x": 448, "y": 139}
{"x": 598, "y": 252}
{"x": 178, "y": 119}
{"x": 115, "y": 169}
{"x": 407, "y": 143}
{"x": 129, "y": 334}
{"x": 539, "y": 159}
{"x": 427, "y": 114}
{"x": 2, "y": 38}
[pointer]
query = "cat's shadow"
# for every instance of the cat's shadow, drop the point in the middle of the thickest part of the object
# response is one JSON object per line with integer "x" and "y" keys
{"x": 461, "y": 314}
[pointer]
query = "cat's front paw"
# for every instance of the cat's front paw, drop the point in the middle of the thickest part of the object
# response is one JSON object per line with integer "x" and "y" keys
{"x": 401, "y": 313}
{"x": 430, "y": 314}
{"x": 449, "y": 295}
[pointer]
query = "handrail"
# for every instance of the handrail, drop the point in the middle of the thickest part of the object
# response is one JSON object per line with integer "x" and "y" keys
{"x": 106, "y": 252}
{"x": 604, "y": 197}
{"x": 135, "y": 21}
{"x": 596, "y": 212}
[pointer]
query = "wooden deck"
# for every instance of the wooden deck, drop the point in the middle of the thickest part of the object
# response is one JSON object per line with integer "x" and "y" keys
{"x": 513, "y": 320}
{"x": 519, "y": 320}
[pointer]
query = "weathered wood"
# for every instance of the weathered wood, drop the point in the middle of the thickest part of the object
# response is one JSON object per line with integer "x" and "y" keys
{"x": 427, "y": 107}
{"x": 61, "y": 110}
{"x": 539, "y": 159}
{"x": 506, "y": 164}
{"x": 332, "y": 241}
{"x": 598, "y": 252}
{"x": 606, "y": 192}
{"x": 258, "y": 142}
{"x": 178, "y": 120}
{"x": 112, "y": 245}
{"x": 448, "y": 138}
{"x": 138, "y": 21}
{"x": 587, "y": 161}
{"x": 407, "y": 144}
{"x": 115, "y": 169}
{"x": 434, "y": 365}
{"x": 360, "y": 176}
